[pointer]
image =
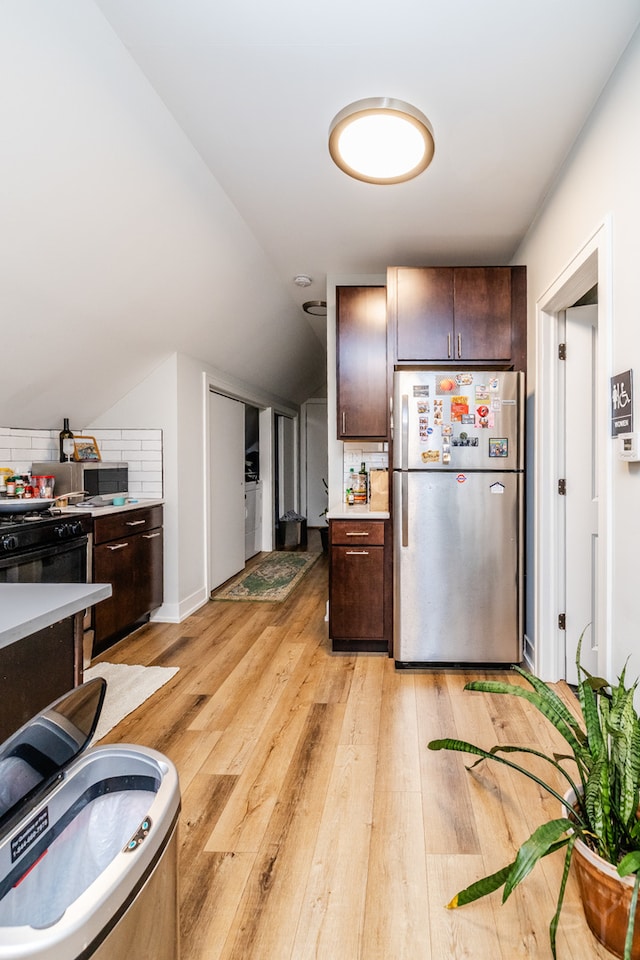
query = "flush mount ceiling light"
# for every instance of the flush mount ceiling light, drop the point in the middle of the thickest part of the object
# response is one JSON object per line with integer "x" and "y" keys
{"x": 380, "y": 140}
{"x": 317, "y": 308}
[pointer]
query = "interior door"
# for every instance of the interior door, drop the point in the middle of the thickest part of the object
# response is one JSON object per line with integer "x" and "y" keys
{"x": 581, "y": 498}
{"x": 286, "y": 471}
{"x": 315, "y": 461}
{"x": 227, "y": 502}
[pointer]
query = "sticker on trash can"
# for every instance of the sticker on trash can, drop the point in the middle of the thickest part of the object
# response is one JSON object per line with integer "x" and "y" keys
{"x": 29, "y": 834}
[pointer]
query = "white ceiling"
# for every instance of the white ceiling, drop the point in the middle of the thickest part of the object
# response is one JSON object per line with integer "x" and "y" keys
{"x": 164, "y": 172}
{"x": 507, "y": 86}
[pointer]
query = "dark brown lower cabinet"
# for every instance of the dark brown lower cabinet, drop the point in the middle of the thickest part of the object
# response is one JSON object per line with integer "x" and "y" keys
{"x": 34, "y": 672}
{"x": 360, "y": 585}
{"x": 128, "y": 554}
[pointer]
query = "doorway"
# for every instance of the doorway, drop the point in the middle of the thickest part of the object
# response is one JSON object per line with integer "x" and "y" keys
{"x": 549, "y": 652}
{"x": 579, "y": 328}
{"x": 252, "y": 484}
{"x": 226, "y": 488}
{"x": 286, "y": 467}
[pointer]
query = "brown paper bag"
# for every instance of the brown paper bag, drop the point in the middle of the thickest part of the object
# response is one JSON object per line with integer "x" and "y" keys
{"x": 379, "y": 482}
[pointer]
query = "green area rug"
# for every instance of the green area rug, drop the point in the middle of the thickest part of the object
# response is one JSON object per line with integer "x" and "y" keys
{"x": 272, "y": 579}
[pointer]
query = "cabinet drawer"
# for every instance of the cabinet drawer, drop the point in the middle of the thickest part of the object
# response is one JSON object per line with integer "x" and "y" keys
{"x": 357, "y": 532}
{"x": 114, "y": 526}
{"x": 356, "y": 606}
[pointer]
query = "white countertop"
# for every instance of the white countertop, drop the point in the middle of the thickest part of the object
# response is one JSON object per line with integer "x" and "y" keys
{"x": 360, "y": 511}
{"x": 26, "y": 608}
{"x": 131, "y": 504}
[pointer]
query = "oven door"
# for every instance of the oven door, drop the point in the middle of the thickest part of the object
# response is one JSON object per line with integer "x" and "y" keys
{"x": 56, "y": 563}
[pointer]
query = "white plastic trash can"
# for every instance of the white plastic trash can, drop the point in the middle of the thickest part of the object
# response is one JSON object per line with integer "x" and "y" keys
{"x": 88, "y": 841}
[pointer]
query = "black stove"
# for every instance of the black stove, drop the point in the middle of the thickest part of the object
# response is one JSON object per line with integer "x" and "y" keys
{"x": 28, "y": 531}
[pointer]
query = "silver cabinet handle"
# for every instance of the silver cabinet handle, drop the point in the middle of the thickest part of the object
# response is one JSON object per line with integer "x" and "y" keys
{"x": 459, "y": 346}
{"x": 449, "y": 346}
{"x": 358, "y": 533}
{"x": 117, "y": 546}
{"x": 150, "y": 536}
{"x": 135, "y": 523}
{"x": 344, "y": 422}
{"x": 357, "y": 553}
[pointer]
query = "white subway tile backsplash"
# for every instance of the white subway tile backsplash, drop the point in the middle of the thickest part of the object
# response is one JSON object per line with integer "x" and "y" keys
{"x": 146, "y": 456}
{"x": 152, "y": 475}
{"x": 141, "y": 449}
{"x": 120, "y": 444}
{"x": 374, "y": 455}
{"x": 103, "y": 435}
{"x": 141, "y": 434}
{"x": 39, "y": 454}
{"x": 112, "y": 456}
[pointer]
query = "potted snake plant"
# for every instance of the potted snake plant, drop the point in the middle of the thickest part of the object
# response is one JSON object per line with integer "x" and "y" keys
{"x": 597, "y": 826}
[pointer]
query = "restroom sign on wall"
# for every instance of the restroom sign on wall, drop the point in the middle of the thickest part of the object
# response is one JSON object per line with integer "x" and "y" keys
{"x": 622, "y": 403}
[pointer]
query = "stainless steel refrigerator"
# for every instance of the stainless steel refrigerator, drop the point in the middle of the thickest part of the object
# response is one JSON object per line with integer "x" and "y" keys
{"x": 458, "y": 483}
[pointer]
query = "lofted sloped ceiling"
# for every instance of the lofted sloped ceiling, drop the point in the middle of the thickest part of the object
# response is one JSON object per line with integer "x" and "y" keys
{"x": 164, "y": 171}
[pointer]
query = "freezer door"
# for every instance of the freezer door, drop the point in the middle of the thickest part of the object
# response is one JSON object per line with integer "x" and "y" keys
{"x": 470, "y": 420}
{"x": 457, "y": 571}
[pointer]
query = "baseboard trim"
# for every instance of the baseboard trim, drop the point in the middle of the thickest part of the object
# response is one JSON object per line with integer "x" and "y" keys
{"x": 177, "y": 612}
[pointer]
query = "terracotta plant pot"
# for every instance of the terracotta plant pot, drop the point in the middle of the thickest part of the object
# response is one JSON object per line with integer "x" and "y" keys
{"x": 606, "y": 896}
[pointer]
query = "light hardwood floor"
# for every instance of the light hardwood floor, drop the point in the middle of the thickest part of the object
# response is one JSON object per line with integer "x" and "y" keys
{"x": 315, "y": 823}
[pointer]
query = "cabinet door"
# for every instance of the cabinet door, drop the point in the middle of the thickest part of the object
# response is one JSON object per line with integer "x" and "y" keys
{"x": 133, "y": 566}
{"x": 356, "y": 606}
{"x": 114, "y": 563}
{"x": 424, "y": 304}
{"x": 482, "y": 313}
{"x": 458, "y": 315}
{"x": 149, "y": 570}
{"x": 361, "y": 350}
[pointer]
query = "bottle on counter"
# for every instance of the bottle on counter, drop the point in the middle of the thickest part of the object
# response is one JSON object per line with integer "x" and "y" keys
{"x": 361, "y": 489}
{"x": 350, "y": 486}
{"x": 65, "y": 440}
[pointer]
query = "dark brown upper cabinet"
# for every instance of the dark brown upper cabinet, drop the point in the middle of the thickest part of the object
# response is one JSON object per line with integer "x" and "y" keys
{"x": 458, "y": 315}
{"x": 361, "y": 350}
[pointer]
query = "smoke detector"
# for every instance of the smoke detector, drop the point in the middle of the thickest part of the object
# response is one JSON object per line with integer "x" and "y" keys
{"x": 302, "y": 280}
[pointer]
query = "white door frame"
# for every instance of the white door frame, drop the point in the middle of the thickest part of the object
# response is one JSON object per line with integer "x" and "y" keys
{"x": 590, "y": 266}
{"x": 268, "y": 407}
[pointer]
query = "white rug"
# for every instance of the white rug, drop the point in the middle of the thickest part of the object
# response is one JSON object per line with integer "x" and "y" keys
{"x": 127, "y": 687}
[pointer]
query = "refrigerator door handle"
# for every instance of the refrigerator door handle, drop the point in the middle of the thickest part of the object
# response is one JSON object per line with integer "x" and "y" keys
{"x": 405, "y": 509}
{"x": 405, "y": 432}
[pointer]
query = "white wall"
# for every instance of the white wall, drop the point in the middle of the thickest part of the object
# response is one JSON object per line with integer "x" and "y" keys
{"x": 173, "y": 398}
{"x": 601, "y": 179}
{"x": 153, "y": 403}
{"x": 118, "y": 246}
